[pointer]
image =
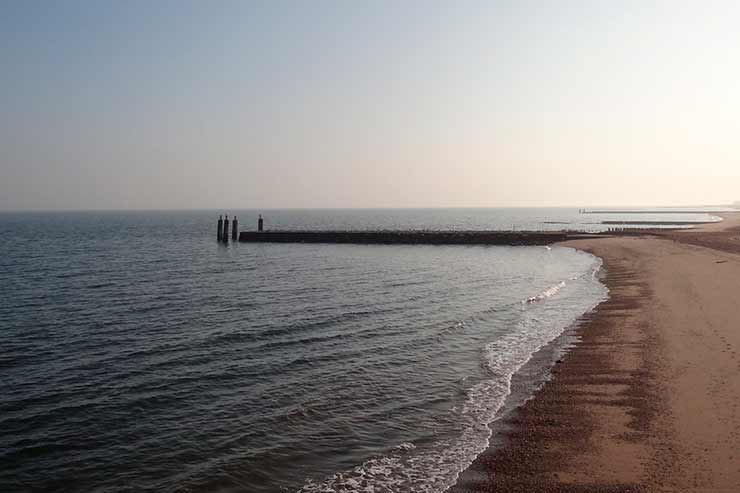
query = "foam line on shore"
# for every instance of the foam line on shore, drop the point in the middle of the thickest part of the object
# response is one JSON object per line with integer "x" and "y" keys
{"x": 405, "y": 468}
{"x": 644, "y": 396}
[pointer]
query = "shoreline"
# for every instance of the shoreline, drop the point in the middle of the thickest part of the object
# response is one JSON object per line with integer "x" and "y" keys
{"x": 646, "y": 398}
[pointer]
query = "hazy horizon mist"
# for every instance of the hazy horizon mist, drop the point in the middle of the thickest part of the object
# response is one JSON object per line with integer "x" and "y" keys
{"x": 188, "y": 105}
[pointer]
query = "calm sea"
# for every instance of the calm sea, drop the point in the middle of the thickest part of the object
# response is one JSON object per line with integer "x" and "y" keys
{"x": 137, "y": 353}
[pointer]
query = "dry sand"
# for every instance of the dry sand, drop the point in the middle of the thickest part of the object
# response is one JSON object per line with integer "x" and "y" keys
{"x": 649, "y": 397}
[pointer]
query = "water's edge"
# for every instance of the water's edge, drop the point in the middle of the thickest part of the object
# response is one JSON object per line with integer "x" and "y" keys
{"x": 525, "y": 383}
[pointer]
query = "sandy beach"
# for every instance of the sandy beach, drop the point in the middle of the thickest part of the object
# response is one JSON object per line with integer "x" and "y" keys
{"x": 648, "y": 399}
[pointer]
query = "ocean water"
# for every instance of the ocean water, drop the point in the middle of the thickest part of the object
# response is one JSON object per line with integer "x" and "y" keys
{"x": 534, "y": 219}
{"x": 139, "y": 354}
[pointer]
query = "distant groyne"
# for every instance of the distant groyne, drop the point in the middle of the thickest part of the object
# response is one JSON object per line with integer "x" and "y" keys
{"x": 414, "y": 237}
{"x": 659, "y": 223}
{"x": 658, "y": 211}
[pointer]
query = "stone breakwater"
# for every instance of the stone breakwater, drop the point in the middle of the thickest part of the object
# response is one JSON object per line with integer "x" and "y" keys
{"x": 415, "y": 237}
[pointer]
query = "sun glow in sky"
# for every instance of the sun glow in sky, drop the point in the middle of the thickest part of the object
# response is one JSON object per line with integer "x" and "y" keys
{"x": 177, "y": 104}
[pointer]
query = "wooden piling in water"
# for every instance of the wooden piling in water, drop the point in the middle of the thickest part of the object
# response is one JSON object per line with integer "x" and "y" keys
{"x": 234, "y": 228}
{"x": 225, "y": 236}
{"x": 220, "y": 228}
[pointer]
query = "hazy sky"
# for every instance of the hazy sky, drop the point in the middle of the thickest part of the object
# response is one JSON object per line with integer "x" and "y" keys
{"x": 156, "y": 104}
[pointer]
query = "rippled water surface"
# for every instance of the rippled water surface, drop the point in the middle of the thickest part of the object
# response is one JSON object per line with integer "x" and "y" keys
{"x": 140, "y": 354}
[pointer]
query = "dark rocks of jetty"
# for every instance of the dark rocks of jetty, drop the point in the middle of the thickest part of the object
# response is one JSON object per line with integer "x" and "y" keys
{"x": 414, "y": 237}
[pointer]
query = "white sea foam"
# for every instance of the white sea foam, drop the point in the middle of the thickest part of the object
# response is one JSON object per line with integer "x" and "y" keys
{"x": 435, "y": 469}
{"x": 549, "y": 292}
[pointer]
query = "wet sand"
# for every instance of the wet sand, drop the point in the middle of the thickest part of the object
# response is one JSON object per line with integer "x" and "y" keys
{"x": 648, "y": 399}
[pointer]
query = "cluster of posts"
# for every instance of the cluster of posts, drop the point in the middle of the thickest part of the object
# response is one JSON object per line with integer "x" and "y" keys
{"x": 223, "y": 228}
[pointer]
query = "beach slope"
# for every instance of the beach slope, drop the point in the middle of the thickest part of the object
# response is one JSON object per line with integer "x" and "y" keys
{"x": 649, "y": 397}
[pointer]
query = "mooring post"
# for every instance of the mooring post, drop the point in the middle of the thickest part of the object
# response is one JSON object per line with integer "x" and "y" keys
{"x": 220, "y": 228}
{"x": 260, "y": 223}
{"x": 226, "y": 230}
{"x": 234, "y": 227}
